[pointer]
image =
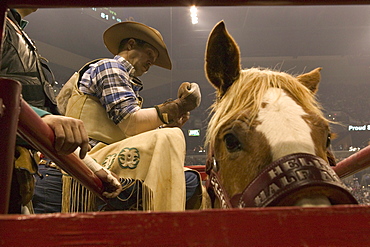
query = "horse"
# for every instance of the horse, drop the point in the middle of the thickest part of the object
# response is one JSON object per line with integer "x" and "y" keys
{"x": 268, "y": 141}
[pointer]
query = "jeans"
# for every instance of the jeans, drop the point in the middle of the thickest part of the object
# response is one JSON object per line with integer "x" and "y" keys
{"x": 192, "y": 182}
{"x": 131, "y": 197}
{"x": 48, "y": 191}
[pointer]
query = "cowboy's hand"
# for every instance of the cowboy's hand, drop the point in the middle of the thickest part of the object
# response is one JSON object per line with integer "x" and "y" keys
{"x": 189, "y": 98}
{"x": 69, "y": 133}
{"x": 179, "y": 122}
{"x": 189, "y": 95}
{"x": 111, "y": 183}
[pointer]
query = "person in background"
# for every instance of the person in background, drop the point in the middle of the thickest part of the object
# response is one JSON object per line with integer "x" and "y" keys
{"x": 22, "y": 62}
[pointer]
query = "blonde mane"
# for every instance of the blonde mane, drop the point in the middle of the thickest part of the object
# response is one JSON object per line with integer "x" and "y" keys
{"x": 245, "y": 95}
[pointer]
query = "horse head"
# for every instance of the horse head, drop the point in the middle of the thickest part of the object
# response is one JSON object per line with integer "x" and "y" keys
{"x": 268, "y": 139}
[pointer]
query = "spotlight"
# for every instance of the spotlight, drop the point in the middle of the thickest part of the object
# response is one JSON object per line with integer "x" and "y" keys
{"x": 193, "y": 14}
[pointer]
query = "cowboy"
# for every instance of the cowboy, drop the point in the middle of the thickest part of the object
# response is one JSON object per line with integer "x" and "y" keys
{"x": 126, "y": 138}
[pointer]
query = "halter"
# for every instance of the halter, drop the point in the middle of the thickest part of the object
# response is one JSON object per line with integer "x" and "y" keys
{"x": 281, "y": 183}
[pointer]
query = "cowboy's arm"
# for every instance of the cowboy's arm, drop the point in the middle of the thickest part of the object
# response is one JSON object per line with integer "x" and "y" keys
{"x": 140, "y": 121}
{"x": 147, "y": 119}
{"x": 173, "y": 114}
{"x": 118, "y": 97}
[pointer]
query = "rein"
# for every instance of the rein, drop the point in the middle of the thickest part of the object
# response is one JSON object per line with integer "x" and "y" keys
{"x": 281, "y": 183}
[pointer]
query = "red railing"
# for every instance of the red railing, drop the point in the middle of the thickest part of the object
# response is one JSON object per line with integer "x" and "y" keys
{"x": 354, "y": 163}
{"x": 32, "y": 129}
{"x": 9, "y": 111}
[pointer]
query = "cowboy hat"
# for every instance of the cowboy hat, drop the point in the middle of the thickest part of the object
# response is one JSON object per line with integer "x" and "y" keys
{"x": 115, "y": 34}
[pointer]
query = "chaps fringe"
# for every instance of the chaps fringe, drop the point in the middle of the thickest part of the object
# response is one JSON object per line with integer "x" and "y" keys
{"x": 76, "y": 198}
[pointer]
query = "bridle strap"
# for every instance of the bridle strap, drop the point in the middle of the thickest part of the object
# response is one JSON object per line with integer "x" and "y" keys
{"x": 285, "y": 180}
{"x": 215, "y": 188}
{"x": 213, "y": 184}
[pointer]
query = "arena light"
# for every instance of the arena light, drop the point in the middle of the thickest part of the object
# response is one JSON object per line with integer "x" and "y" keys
{"x": 193, "y": 14}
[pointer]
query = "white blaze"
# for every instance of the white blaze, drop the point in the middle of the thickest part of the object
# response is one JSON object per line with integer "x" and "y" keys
{"x": 283, "y": 125}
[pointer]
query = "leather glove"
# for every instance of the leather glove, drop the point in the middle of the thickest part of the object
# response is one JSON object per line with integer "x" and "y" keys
{"x": 189, "y": 98}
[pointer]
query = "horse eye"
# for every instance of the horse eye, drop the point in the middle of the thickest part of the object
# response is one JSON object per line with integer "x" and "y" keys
{"x": 232, "y": 143}
{"x": 328, "y": 140}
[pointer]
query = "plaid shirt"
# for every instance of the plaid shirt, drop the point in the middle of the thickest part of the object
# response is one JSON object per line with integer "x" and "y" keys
{"x": 113, "y": 83}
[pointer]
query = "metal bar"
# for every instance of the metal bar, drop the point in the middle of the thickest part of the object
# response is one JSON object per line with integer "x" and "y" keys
{"x": 354, "y": 163}
{"x": 10, "y": 92}
{"x": 38, "y": 134}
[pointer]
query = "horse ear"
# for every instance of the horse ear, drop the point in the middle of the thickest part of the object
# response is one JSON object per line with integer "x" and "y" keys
{"x": 311, "y": 79}
{"x": 222, "y": 63}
